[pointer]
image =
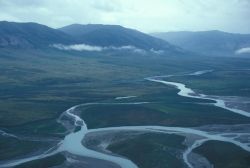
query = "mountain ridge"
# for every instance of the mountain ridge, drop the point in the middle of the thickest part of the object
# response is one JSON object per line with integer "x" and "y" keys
{"x": 212, "y": 42}
{"x": 115, "y": 35}
{"x": 107, "y": 37}
{"x": 30, "y": 35}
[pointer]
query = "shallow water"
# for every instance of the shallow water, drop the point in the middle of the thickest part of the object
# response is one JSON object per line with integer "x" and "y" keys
{"x": 72, "y": 143}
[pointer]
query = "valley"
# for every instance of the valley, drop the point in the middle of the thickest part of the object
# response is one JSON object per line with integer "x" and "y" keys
{"x": 106, "y": 96}
{"x": 121, "y": 121}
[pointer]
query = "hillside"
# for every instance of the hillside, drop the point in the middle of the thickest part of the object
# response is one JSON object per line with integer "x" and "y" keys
{"x": 117, "y": 36}
{"x": 81, "y": 38}
{"x": 27, "y": 35}
{"x": 208, "y": 42}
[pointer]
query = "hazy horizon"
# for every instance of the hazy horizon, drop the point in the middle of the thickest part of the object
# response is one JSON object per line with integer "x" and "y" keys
{"x": 125, "y": 27}
{"x": 150, "y": 16}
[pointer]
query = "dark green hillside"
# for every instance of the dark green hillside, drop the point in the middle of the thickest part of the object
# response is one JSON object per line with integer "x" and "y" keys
{"x": 114, "y": 35}
{"x": 30, "y": 35}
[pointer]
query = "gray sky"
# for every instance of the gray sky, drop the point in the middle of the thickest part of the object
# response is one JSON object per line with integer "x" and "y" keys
{"x": 144, "y": 15}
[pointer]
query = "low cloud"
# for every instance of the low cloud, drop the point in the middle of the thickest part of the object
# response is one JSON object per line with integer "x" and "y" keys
{"x": 85, "y": 47}
{"x": 129, "y": 47}
{"x": 243, "y": 51}
{"x": 156, "y": 51}
{"x": 77, "y": 47}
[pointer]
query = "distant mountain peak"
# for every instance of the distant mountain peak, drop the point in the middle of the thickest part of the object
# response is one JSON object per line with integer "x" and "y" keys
{"x": 115, "y": 35}
{"x": 214, "y": 42}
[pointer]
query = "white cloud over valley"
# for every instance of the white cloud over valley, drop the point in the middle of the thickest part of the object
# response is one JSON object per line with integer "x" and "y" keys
{"x": 85, "y": 47}
{"x": 243, "y": 51}
{"x": 77, "y": 47}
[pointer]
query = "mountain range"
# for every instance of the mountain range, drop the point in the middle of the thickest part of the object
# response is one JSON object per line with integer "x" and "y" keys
{"x": 98, "y": 37}
{"x": 216, "y": 43}
{"x": 33, "y": 35}
{"x": 114, "y": 35}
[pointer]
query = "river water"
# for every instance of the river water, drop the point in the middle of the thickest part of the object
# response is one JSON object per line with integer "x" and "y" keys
{"x": 72, "y": 143}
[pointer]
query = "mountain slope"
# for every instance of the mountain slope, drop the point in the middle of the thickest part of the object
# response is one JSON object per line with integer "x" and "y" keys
{"x": 117, "y": 36}
{"x": 207, "y": 42}
{"x": 82, "y": 38}
{"x": 30, "y": 35}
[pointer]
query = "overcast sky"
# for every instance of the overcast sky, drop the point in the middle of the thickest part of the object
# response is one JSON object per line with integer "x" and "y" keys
{"x": 144, "y": 15}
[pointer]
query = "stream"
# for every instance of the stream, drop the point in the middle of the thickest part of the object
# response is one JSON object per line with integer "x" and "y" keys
{"x": 72, "y": 143}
